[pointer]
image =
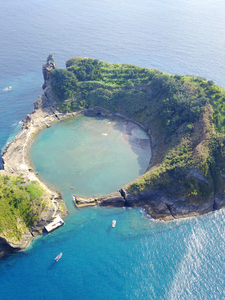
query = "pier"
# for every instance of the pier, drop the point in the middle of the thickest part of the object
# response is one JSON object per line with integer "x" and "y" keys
{"x": 57, "y": 222}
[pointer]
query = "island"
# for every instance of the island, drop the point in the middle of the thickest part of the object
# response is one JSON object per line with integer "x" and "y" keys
{"x": 184, "y": 117}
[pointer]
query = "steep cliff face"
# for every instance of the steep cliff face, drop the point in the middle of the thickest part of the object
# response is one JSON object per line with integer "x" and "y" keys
{"x": 5, "y": 247}
{"x": 49, "y": 65}
{"x": 27, "y": 122}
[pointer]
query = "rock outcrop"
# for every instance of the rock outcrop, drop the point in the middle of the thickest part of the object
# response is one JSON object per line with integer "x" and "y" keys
{"x": 160, "y": 206}
{"x": 114, "y": 199}
{"x": 157, "y": 205}
{"x": 6, "y": 248}
{"x": 49, "y": 65}
{"x": 27, "y": 122}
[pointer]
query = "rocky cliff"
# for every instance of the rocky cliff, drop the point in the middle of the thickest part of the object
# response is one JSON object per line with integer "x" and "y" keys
{"x": 49, "y": 65}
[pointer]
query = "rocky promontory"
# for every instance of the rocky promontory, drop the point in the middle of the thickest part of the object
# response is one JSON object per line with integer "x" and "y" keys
{"x": 46, "y": 68}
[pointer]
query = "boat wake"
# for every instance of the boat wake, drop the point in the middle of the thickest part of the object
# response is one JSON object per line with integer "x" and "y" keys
{"x": 17, "y": 123}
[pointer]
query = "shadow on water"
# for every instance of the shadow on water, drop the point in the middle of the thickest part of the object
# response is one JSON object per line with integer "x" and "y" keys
{"x": 138, "y": 140}
{"x": 135, "y": 136}
{"x": 52, "y": 265}
{"x": 109, "y": 229}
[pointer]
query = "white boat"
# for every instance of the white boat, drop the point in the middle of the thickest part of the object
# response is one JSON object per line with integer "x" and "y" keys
{"x": 7, "y": 89}
{"x": 113, "y": 223}
{"x": 58, "y": 257}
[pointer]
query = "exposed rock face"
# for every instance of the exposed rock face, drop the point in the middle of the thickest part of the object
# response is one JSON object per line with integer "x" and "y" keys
{"x": 27, "y": 122}
{"x": 156, "y": 204}
{"x": 5, "y": 247}
{"x": 49, "y": 65}
{"x": 114, "y": 199}
{"x": 160, "y": 206}
{"x": 219, "y": 202}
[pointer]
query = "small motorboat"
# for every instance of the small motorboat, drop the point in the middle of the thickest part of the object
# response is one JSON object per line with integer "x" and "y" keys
{"x": 58, "y": 257}
{"x": 72, "y": 187}
{"x": 7, "y": 88}
{"x": 113, "y": 223}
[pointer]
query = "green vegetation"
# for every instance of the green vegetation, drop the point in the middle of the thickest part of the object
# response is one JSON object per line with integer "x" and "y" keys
{"x": 20, "y": 205}
{"x": 186, "y": 115}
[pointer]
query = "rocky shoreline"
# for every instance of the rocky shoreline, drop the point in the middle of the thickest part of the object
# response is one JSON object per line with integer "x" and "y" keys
{"x": 155, "y": 204}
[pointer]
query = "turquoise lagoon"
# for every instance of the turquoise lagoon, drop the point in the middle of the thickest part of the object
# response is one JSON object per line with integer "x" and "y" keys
{"x": 94, "y": 155}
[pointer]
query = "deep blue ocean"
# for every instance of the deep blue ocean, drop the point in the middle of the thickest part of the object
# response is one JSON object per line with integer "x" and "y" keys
{"x": 140, "y": 258}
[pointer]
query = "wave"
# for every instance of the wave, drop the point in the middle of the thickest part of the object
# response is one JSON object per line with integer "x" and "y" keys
{"x": 17, "y": 126}
{"x": 17, "y": 123}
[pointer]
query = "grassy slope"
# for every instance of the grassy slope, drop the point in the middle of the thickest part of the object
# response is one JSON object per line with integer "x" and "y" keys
{"x": 186, "y": 116}
{"x": 20, "y": 205}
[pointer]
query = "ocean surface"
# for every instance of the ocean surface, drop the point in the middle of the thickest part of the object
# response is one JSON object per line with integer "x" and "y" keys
{"x": 140, "y": 258}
